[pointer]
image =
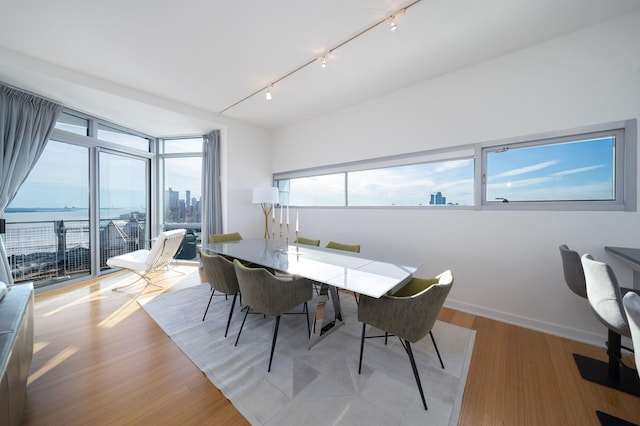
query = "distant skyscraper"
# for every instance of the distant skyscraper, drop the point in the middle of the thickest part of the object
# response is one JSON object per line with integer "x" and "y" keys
{"x": 188, "y": 198}
{"x": 437, "y": 199}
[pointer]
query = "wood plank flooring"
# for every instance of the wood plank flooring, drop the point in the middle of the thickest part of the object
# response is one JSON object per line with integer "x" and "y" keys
{"x": 100, "y": 359}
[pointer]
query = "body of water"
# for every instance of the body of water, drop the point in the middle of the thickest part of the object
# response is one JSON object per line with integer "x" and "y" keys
{"x": 48, "y": 215}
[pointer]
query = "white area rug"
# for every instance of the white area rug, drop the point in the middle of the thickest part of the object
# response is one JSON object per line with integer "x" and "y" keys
{"x": 320, "y": 386}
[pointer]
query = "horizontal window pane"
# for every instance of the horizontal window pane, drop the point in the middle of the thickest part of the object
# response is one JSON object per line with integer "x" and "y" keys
{"x": 172, "y": 146}
{"x": 324, "y": 190}
{"x": 121, "y": 137}
{"x": 73, "y": 124}
{"x": 572, "y": 171}
{"x": 436, "y": 183}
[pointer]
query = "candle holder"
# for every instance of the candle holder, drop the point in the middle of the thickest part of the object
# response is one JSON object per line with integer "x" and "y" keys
{"x": 287, "y": 237}
{"x": 273, "y": 227}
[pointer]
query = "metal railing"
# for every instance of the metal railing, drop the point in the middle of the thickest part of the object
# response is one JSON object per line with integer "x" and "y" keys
{"x": 47, "y": 252}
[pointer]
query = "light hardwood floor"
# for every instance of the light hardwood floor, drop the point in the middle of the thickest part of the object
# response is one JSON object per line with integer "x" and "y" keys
{"x": 100, "y": 359}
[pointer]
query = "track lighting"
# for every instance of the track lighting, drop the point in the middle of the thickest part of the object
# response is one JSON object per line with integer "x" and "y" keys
{"x": 388, "y": 19}
{"x": 392, "y": 23}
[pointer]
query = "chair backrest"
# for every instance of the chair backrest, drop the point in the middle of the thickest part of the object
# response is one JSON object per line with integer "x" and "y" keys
{"x": 631, "y": 302}
{"x": 307, "y": 241}
{"x": 220, "y": 273}
{"x": 573, "y": 271}
{"x": 268, "y": 294}
{"x": 346, "y": 247}
{"x": 429, "y": 302}
{"x": 164, "y": 248}
{"x": 223, "y": 238}
{"x": 604, "y": 295}
{"x": 412, "y": 311}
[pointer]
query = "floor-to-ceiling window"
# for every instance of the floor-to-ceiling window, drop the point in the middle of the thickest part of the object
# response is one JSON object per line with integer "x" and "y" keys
{"x": 181, "y": 160}
{"x": 48, "y": 236}
{"x": 87, "y": 198}
{"x": 124, "y": 196}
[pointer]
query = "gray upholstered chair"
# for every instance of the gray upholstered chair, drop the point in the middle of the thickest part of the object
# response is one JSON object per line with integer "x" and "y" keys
{"x": 631, "y": 303}
{"x": 269, "y": 295}
{"x": 605, "y": 298}
{"x": 307, "y": 241}
{"x": 409, "y": 314}
{"x": 221, "y": 276}
{"x": 573, "y": 272}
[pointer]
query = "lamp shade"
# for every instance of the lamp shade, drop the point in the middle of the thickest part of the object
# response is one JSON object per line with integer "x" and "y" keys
{"x": 265, "y": 194}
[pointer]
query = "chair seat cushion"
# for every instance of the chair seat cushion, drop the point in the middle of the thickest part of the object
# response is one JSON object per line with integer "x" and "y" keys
{"x": 136, "y": 260}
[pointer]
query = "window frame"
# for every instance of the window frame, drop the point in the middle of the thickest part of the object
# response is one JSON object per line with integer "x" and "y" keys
{"x": 625, "y": 181}
{"x": 624, "y": 177}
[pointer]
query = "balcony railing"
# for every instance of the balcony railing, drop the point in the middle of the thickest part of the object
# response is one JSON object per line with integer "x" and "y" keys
{"x": 50, "y": 251}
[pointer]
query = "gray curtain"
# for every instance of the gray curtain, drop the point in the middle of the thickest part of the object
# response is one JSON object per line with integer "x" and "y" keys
{"x": 211, "y": 197}
{"x": 26, "y": 122}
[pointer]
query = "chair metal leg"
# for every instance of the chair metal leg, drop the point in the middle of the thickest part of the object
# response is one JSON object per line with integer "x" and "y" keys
{"x": 213, "y": 290}
{"x": 437, "y": 351}
{"x": 242, "y": 325}
{"x": 306, "y": 310}
{"x": 273, "y": 344}
{"x": 233, "y": 304}
{"x": 407, "y": 347}
{"x": 364, "y": 329}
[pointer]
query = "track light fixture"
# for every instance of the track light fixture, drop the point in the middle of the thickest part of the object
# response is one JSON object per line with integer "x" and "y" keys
{"x": 389, "y": 19}
{"x": 392, "y": 23}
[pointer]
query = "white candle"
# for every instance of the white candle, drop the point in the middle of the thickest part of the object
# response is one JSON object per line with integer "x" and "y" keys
{"x": 297, "y": 221}
{"x": 273, "y": 212}
{"x": 287, "y": 214}
{"x": 280, "y": 215}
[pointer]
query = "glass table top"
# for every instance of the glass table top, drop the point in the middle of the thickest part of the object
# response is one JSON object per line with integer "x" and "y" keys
{"x": 346, "y": 270}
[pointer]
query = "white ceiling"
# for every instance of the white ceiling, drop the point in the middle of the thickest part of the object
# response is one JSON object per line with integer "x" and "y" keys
{"x": 169, "y": 67}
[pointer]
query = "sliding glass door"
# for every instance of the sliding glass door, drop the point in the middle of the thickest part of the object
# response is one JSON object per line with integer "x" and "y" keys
{"x": 123, "y": 204}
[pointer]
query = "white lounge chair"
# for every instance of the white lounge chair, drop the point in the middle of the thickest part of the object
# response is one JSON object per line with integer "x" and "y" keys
{"x": 143, "y": 262}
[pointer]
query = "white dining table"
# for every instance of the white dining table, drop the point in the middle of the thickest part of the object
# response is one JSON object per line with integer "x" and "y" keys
{"x": 331, "y": 269}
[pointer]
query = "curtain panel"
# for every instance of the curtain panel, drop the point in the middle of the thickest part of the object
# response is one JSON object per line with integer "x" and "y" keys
{"x": 26, "y": 122}
{"x": 211, "y": 189}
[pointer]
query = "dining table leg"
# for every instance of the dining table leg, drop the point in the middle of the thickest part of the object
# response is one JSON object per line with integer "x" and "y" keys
{"x": 321, "y": 329}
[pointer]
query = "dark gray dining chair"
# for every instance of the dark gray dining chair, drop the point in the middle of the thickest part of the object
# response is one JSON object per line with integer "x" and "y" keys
{"x": 267, "y": 294}
{"x": 409, "y": 314}
{"x": 221, "y": 276}
{"x": 605, "y": 299}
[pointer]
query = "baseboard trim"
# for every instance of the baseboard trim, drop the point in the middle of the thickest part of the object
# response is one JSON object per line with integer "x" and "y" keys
{"x": 533, "y": 324}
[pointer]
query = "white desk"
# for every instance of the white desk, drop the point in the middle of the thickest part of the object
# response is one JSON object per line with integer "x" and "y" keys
{"x": 333, "y": 269}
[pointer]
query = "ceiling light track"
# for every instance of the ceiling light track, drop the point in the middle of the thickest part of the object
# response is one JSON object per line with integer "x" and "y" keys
{"x": 389, "y": 20}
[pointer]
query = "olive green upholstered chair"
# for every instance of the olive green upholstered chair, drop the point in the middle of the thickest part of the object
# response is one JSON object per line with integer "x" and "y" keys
{"x": 224, "y": 238}
{"x": 267, "y": 294}
{"x": 346, "y": 247}
{"x": 409, "y": 314}
{"x": 307, "y": 241}
{"x": 221, "y": 276}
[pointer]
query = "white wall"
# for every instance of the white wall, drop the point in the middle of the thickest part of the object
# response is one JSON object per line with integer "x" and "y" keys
{"x": 246, "y": 163}
{"x": 506, "y": 264}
